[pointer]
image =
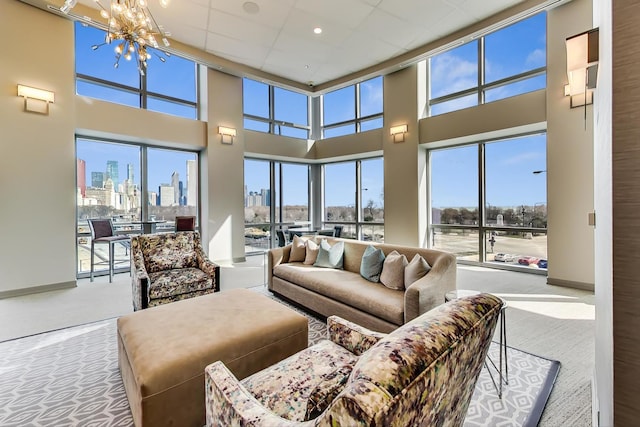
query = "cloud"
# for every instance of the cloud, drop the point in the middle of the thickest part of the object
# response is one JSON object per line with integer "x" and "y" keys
{"x": 537, "y": 58}
{"x": 452, "y": 74}
{"x": 371, "y": 95}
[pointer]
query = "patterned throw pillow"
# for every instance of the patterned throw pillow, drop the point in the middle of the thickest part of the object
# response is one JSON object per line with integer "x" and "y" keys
{"x": 393, "y": 271}
{"x": 371, "y": 264}
{"x": 312, "y": 252}
{"x": 416, "y": 270}
{"x": 330, "y": 256}
{"x": 298, "y": 250}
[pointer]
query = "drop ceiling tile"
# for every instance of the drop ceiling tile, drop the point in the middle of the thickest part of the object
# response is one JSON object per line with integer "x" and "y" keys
{"x": 301, "y": 24}
{"x": 381, "y": 25}
{"x": 195, "y": 37}
{"x": 347, "y": 14}
{"x": 253, "y": 55}
{"x": 419, "y": 12}
{"x": 484, "y": 9}
{"x": 273, "y": 13}
{"x": 194, "y": 15}
{"x": 240, "y": 29}
{"x": 359, "y": 44}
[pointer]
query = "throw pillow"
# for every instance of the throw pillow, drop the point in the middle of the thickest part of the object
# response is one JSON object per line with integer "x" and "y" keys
{"x": 312, "y": 252}
{"x": 298, "y": 250}
{"x": 392, "y": 275}
{"x": 330, "y": 256}
{"x": 371, "y": 264}
{"x": 416, "y": 270}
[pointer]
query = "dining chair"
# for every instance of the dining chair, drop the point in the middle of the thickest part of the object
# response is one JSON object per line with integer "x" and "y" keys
{"x": 102, "y": 232}
{"x": 185, "y": 223}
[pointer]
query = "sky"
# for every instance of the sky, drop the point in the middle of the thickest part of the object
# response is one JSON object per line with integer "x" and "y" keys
{"x": 509, "y": 164}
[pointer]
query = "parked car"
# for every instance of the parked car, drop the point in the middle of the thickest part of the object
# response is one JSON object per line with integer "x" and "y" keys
{"x": 504, "y": 257}
{"x": 527, "y": 260}
{"x": 542, "y": 263}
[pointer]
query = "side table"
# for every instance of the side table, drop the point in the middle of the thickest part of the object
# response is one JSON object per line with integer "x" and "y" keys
{"x": 502, "y": 368}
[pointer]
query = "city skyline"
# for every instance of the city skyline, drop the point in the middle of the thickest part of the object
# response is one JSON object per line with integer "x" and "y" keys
{"x": 174, "y": 192}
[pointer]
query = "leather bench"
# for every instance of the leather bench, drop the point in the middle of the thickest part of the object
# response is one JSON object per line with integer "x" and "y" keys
{"x": 162, "y": 351}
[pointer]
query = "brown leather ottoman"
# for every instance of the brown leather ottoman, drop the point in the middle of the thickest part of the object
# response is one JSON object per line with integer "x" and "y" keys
{"x": 162, "y": 351}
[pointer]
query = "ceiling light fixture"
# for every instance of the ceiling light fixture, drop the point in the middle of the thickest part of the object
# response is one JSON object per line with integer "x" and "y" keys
{"x": 317, "y": 30}
{"x": 132, "y": 27}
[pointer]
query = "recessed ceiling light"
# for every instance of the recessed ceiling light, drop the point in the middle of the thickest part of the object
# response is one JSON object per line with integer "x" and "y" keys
{"x": 317, "y": 30}
{"x": 250, "y": 7}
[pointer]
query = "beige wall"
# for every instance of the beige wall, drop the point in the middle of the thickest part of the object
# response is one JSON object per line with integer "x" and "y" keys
{"x": 37, "y": 156}
{"x": 225, "y": 164}
{"x": 401, "y": 159}
{"x": 517, "y": 114}
{"x": 108, "y": 120}
{"x": 570, "y": 244}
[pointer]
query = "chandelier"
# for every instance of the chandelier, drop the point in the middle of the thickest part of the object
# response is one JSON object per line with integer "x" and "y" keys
{"x": 132, "y": 28}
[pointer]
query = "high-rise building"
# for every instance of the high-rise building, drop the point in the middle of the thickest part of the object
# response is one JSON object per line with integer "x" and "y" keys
{"x": 266, "y": 197}
{"x": 192, "y": 183}
{"x": 245, "y": 195}
{"x": 81, "y": 176}
{"x": 112, "y": 172}
{"x": 97, "y": 179}
{"x": 175, "y": 183}
{"x": 166, "y": 194}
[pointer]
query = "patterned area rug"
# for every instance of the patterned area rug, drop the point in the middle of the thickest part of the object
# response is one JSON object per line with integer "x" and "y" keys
{"x": 70, "y": 377}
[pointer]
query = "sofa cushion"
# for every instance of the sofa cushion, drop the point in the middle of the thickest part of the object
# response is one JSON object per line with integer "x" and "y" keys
{"x": 312, "y": 252}
{"x": 415, "y": 270}
{"x": 298, "y": 250}
{"x": 178, "y": 281}
{"x": 303, "y": 385}
{"x": 348, "y": 288}
{"x": 392, "y": 275}
{"x": 371, "y": 266}
{"x": 330, "y": 256}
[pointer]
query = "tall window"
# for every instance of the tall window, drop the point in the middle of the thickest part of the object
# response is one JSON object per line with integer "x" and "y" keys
{"x": 110, "y": 177}
{"x": 352, "y": 109}
{"x": 501, "y": 219}
{"x": 505, "y": 63}
{"x": 354, "y": 198}
{"x": 172, "y": 184}
{"x": 275, "y": 110}
{"x": 168, "y": 87}
{"x": 267, "y": 206}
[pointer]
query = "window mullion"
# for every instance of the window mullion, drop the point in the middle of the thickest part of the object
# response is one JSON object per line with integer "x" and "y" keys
{"x": 481, "y": 70}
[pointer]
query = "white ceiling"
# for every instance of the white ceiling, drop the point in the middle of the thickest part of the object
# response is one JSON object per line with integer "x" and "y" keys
{"x": 279, "y": 38}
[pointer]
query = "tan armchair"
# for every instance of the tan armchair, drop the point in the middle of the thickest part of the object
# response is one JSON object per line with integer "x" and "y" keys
{"x": 170, "y": 267}
{"x": 421, "y": 374}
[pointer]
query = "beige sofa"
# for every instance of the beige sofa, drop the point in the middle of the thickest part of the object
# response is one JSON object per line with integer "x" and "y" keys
{"x": 347, "y": 294}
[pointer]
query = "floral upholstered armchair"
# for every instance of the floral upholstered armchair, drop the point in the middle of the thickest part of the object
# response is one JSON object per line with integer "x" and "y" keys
{"x": 421, "y": 374}
{"x": 170, "y": 267}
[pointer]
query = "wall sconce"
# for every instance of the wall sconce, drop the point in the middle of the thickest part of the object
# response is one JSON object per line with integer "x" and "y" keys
{"x": 398, "y": 132}
{"x": 582, "y": 67}
{"x": 36, "y": 100}
{"x": 227, "y": 134}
